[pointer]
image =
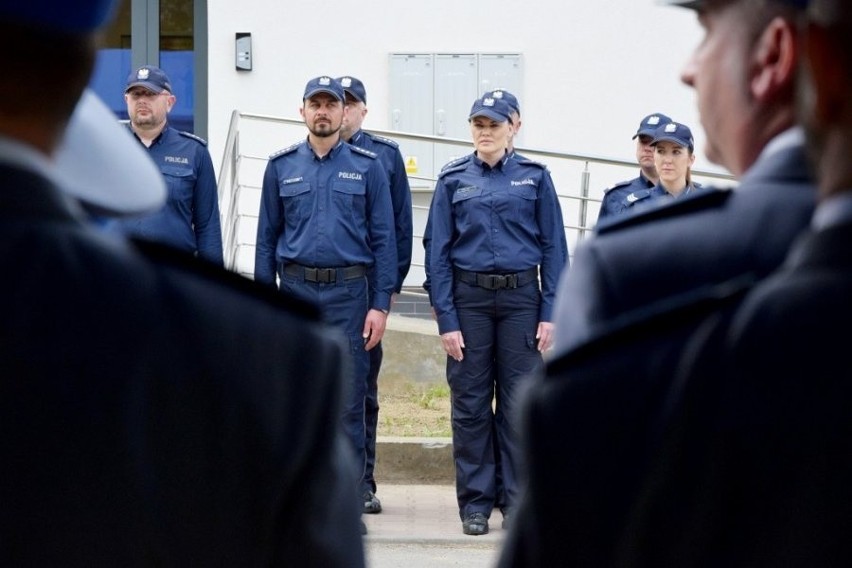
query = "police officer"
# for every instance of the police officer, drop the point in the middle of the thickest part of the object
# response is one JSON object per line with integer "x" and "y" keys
{"x": 326, "y": 229}
{"x": 623, "y": 194}
{"x": 674, "y": 155}
{"x": 496, "y": 225}
{"x": 515, "y": 115}
{"x": 190, "y": 219}
{"x": 388, "y": 152}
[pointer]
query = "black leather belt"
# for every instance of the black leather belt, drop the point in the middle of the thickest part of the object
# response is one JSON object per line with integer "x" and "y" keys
{"x": 497, "y": 281}
{"x": 327, "y": 275}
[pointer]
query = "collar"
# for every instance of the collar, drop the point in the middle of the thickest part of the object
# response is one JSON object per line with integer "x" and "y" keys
{"x": 791, "y": 137}
{"x": 331, "y": 152}
{"x": 499, "y": 166}
{"x": 159, "y": 138}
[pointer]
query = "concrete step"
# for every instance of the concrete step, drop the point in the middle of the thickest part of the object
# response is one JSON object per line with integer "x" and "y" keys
{"x": 425, "y": 461}
{"x": 413, "y": 354}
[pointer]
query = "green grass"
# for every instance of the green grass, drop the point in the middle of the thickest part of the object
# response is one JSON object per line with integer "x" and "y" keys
{"x": 431, "y": 396}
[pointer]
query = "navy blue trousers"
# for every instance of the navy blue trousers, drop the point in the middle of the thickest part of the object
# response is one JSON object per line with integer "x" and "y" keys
{"x": 344, "y": 305}
{"x": 499, "y": 328}
{"x": 371, "y": 417}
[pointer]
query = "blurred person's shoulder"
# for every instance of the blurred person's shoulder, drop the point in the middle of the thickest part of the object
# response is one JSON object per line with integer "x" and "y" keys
{"x": 220, "y": 284}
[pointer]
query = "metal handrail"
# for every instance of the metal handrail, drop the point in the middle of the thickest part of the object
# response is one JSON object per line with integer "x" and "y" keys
{"x": 229, "y": 185}
{"x": 227, "y": 188}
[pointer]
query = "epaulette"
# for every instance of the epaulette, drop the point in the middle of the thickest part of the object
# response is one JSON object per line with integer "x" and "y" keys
{"x": 176, "y": 259}
{"x": 456, "y": 162}
{"x": 619, "y": 184}
{"x": 286, "y": 150}
{"x": 527, "y": 162}
{"x": 688, "y": 204}
{"x": 360, "y": 150}
{"x": 198, "y": 139}
{"x": 452, "y": 168}
{"x": 382, "y": 140}
{"x": 638, "y": 196}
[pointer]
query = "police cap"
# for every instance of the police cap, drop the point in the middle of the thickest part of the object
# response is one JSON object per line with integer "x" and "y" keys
{"x": 495, "y": 109}
{"x": 354, "y": 88}
{"x": 324, "y": 84}
{"x": 650, "y": 123}
{"x": 149, "y": 77}
{"x": 510, "y": 99}
{"x": 675, "y": 132}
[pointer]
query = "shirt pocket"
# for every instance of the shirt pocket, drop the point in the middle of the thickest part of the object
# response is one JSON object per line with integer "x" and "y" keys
{"x": 350, "y": 199}
{"x": 463, "y": 194}
{"x": 297, "y": 199}
{"x": 468, "y": 208}
{"x": 180, "y": 182}
{"x": 522, "y": 200}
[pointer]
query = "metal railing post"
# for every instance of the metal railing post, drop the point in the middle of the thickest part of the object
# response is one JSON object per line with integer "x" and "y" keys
{"x": 585, "y": 175}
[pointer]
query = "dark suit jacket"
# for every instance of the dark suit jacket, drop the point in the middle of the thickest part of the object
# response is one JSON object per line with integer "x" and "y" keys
{"x": 594, "y": 424}
{"x": 756, "y": 466}
{"x": 590, "y": 428}
{"x": 158, "y": 412}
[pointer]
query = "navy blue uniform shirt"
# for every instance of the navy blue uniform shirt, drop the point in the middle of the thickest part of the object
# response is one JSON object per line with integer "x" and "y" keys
{"x": 495, "y": 220}
{"x": 400, "y": 191}
{"x": 327, "y": 212}
{"x": 427, "y": 232}
{"x": 189, "y": 220}
{"x": 620, "y": 196}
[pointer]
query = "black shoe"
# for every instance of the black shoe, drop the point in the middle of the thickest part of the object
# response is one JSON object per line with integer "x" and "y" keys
{"x": 363, "y": 526}
{"x": 372, "y": 505}
{"x": 507, "y": 514}
{"x": 475, "y": 524}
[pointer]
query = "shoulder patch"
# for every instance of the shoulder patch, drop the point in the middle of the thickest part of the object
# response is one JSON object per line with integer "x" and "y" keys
{"x": 458, "y": 161}
{"x": 286, "y": 150}
{"x": 382, "y": 140}
{"x": 198, "y": 139}
{"x": 527, "y": 162}
{"x": 452, "y": 168}
{"x": 619, "y": 184}
{"x": 638, "y": 196}
{"x": 362, "y": 151}
{"x": 686, "y": 205}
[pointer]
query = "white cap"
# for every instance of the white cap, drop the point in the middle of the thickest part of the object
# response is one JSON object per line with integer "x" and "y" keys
{"x": 101, "y": 164}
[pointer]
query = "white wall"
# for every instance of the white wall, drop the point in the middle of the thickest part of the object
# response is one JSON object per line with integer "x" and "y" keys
{"x": 592, "y": 69}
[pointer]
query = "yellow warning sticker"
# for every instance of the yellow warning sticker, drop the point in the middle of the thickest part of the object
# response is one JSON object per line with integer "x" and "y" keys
{"x": 411, "y": 164}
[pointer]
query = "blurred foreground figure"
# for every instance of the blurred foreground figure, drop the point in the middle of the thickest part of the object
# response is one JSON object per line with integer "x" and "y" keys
{"x": 757, "y": 458}
{"x": 626, "y": 309}
{"x": 155, "y": 411}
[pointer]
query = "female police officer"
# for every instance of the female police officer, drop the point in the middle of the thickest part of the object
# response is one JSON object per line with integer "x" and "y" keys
{"x": 673, "y": 158}
{"x": 496, "y": 225}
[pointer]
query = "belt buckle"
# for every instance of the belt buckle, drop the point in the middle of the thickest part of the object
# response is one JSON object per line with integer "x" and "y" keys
{"x": 497, "y": 281}
{"x": 326, "y": 275}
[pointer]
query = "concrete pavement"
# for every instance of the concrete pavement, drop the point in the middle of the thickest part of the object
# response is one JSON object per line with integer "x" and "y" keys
{"x": 419, "y": 526}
